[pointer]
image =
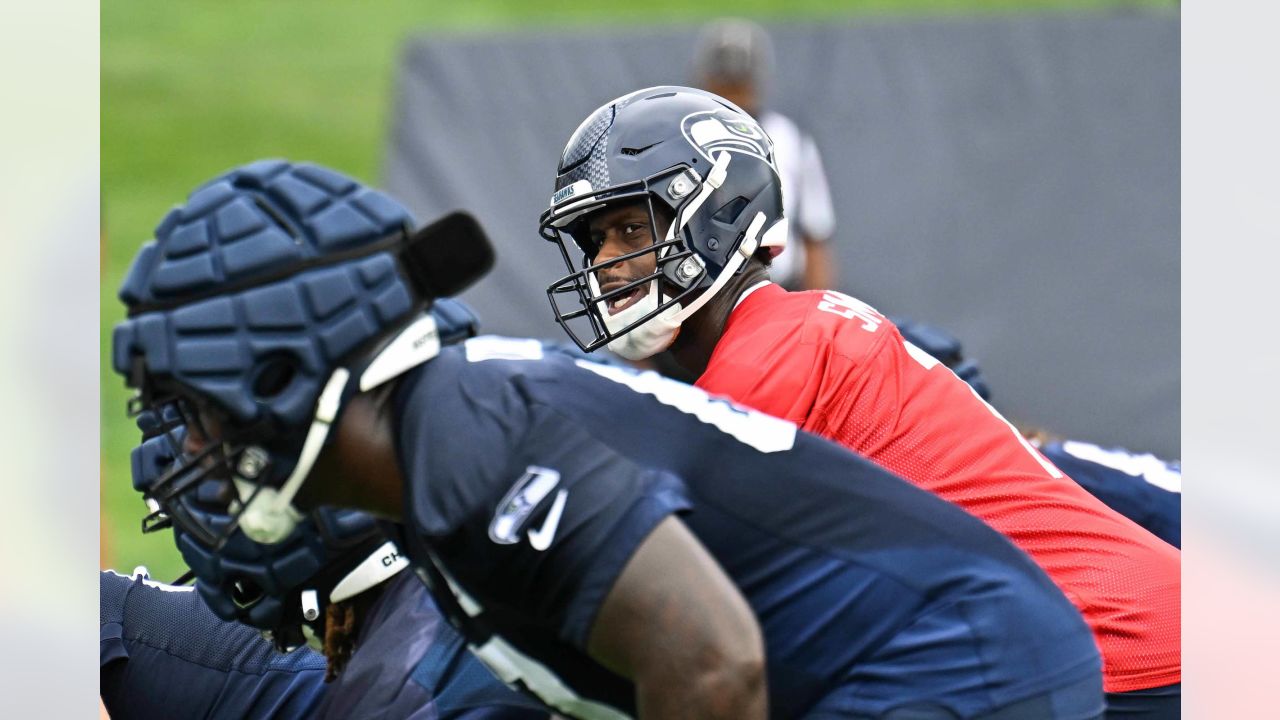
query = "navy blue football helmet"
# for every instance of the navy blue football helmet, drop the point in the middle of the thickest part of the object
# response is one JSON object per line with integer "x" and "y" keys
{"x": 698, "y": 159}
{"x": 284, "y": 588}
{"x": 274, "y": 295}
{"x": 946, "y": 348}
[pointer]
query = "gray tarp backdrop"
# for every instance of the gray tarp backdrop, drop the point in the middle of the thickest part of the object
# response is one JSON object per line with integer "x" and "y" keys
{"x": 1013, "y": 179}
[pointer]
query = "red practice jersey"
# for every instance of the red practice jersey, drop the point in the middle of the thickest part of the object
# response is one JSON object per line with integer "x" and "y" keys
{"x": 836, "y": 367}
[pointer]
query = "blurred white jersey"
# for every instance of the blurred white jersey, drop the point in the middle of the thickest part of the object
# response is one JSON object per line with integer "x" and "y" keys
{"x": 806, "y": 200}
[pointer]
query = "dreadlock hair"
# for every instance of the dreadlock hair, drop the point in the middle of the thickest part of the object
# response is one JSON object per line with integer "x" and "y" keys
{"x": 342, "y": 620}
{"x": 339, "y": 637}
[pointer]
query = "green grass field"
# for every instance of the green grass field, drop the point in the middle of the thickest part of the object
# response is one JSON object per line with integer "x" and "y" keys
{"x": 191, "y": 89}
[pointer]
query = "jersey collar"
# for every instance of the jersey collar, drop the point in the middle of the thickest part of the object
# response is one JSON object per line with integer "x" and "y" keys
{"x": 750, "y": 290}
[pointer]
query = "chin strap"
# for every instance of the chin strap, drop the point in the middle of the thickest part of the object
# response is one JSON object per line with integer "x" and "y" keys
{"x": 269, "y": 515}
{"x": 647, "y": 339}
{"x": 748, "y": 246}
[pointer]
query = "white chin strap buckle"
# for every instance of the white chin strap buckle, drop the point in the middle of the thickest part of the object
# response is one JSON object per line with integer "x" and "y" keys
{"x": 269, "y": 517}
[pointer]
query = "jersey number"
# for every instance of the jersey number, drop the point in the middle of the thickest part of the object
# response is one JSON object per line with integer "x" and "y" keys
{"x": 849, "y": 308}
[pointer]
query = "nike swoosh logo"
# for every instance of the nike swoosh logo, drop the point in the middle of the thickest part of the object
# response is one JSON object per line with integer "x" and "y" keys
{"x": 541, "y": 538}
{"x": 636, "y": 151}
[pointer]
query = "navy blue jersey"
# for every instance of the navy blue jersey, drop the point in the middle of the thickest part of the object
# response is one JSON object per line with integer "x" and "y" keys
{"x": 1143, "y": 488}
{"x": 166, "y": 655}
{"x": 409, "y": 663}
{"x": 532, "y": 478}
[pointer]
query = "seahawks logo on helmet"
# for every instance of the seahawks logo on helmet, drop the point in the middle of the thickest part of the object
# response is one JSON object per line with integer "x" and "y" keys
{"x": 714, "y": 130}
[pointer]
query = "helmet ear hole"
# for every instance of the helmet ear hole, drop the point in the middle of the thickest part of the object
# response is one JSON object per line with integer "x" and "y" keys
{"x": 729, "y": 212}
{"x": 273, "y": 376}
{"x": 246, "y": 593}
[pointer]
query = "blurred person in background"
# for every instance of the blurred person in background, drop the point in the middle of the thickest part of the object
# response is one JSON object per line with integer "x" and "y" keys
{"x": 734, "y": 59}
{"x": 1140, "y": 486}
{"x": 667, "y": 210}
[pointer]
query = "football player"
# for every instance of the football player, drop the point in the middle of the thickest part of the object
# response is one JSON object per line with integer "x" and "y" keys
{"x": 667, "y": 210}
{"x": 616, "y": 544}
{"x": 1142, "y": 487}
{"x": 335, "y": 583}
